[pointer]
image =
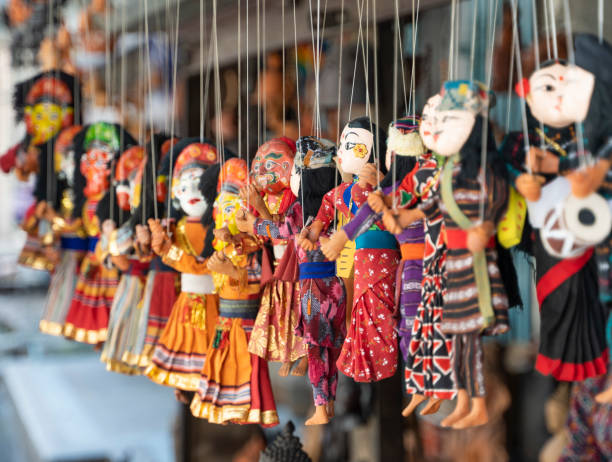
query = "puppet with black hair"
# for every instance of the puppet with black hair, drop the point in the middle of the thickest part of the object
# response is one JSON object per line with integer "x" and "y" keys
{"x": 369, "y": 352}
{"x": 572, "y": 329}
{"x": 70, "y": 234}
{"x": 269, "y": 194}
{"x": 425, "y": 348}
{"x": 97, "y": 148}
{"x": 181, "y": 350}
{"x": 471, "y": 199}
{"x": 46, "y": 103}
{"x": 322, "y": 296}
{"x": 236, "y": 269}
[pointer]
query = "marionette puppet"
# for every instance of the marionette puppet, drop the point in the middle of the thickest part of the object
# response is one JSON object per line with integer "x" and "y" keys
{"x": 46, "y": 103}
{"x": 322, "y": 296}
{"x": 181, "y": 350}
{"x": 567, "y": 217}
{"x": 471, "y": 199}
{"x": 163, "y": 282}
{"x": 97, "y": 147}
{"x": 425, "y": 348}
{"x": 71, "y": 235}
{"x": 369, "y": 352}
{"x": 235, "y": 384}
{"x": 273, "y": 337}
{"x": 128, "y": 175}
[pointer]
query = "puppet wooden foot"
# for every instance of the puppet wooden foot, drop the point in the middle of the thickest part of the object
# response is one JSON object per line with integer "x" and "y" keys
{"x": 285, "y": 369}
{"x": 432, "y": 406}
{"x": 412, "y": 405}
{"x": 320, "y": 416}
{"x": 461, "y": 409}
{"x": 301, "y": 367}
{"x": 604, "y": 397}
{"x": 181, "y": 396}
{"x": 330, "y": 409}
{"x": 477, "y": 416}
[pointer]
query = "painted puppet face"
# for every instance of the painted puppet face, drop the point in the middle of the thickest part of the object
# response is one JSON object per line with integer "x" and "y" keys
{"x": 445, "y": 132}
{"x": 64, "y": 153}
{"x": 560, "y": 95}
{"x": 127, "y": 177}
{"x": 95, "y": 167}
{"x": 227, "y": 205}
{"x": 355, "y": 148}
{"x": 272, "y": 166}
{"x": 45, "y": 119}
{"x": 187, "y": 191}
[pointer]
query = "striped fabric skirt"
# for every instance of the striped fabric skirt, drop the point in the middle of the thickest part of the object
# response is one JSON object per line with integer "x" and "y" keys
{"x": 123, "y": 324}
{"x": 61, "y": 291}
{"x": 87, "y": 319}
{"x": 235, "y": 384}
{"x": 181, "y": 352}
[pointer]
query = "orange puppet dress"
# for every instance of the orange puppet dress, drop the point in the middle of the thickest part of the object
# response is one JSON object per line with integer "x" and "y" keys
{"x": 235, "y": 384}
{"x": 87, "y": 318}
{"x": 181, "y": 351}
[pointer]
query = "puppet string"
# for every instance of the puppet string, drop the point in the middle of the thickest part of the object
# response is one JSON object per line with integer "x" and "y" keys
{"x": 536, "y": 55}
{"x": 359, "y": 35}
{"x": 282, "y": 58}
{"x": 473, "y": 44}
{"x": 239, "y": 94}
{"x": 297, "y": 73}
{"x": 173, "y": 108}
{"x": 553, "y": 26}
{"x": 415, "y": 29}
{"x": 259, "y": 83}
{"x": 600, "y": 20}
{"x": 510, "y": 80}
{"x": 376, "y": 107}
{"x": 340, "y": 76}
{"x": 152, "y": 144}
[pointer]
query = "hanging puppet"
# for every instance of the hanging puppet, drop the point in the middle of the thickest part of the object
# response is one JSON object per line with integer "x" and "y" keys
{"x": 46, "y": 103}
{"x": 322, "y": 297}
{"x": 572, "y": 335}
{"x": 181, "y": 351}
{"x": 125, "y": 256}
{"x": 425, "y": 348}
{"x": 235, "y": 384}
{"x": 97, "y": 147}
{"x": 72, "y": 237}
{"x": 273, "y": 337}
{"x": 471, "y": 199}
{"x": 369, "y": 352}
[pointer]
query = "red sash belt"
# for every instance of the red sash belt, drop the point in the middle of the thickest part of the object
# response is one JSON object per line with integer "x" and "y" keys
{"x": 559, "y": 273}
{"x": 457, "y": 239}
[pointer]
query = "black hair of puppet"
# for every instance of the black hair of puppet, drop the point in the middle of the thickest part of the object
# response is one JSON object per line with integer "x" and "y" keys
{"x": 402, "y": 165}
{"x": 378, "y": 141}
{"x": 314, "y": 184}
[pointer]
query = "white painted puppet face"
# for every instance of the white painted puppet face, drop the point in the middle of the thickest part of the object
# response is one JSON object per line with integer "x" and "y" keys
{"x": 355, "y": 149}
{"x": 560, "y": 95}
{"x": 294, "y": 181}
{"x": 187, "y": 191}
{"x": 445, "y": 132}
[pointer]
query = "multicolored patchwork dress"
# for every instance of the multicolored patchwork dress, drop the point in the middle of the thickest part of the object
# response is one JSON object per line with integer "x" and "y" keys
{"x": 235, "y": 384}
{"x": 369, "y": 352}
{"x": 181, "y": 351}
{"x": 273, "y": 337}
{"x": 87, "y": 318}
{"x": 322, "y": 312}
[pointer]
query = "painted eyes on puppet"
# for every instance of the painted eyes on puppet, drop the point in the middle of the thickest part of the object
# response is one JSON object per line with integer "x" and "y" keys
{"x": 448, "y": 118}
{"x": 349, "y": 146}
{"x": 546, "y": 87}
{"x": 270, "y": 165}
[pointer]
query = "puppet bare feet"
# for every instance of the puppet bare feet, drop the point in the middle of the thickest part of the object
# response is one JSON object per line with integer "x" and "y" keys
{"x": 285, "y": 369}
{"x": 477, "y": 416}
{"x": 412, "y": 405}
{"x": 330, "y": 409}
{"x": 301, "y": 367}
{"x": 432, "y": 406}
{"x": 605, "y": 396}
{"x": 320, "y": 416}
{"x": 462, "y": 408}
{"x": 181, "y": 396}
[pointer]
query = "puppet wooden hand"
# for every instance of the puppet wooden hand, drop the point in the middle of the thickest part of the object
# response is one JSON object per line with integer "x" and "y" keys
{"x": 250, "y": 195}
{"x": 40, "y": 209}
{"x": 160, "y": 242}
{"x": 222, "y": 265}
{"x": 587, "y": 180}
{"x": 369, "y": 176}
{"x": 108, "y": 227}
{"x": 390, "y": 222}
{"x": 245, "y": 221}
{"x": 334, "y": 245}
{"x": 377, "y": 201}
{"x": 530, "y": 186}
{"x": 223, "y": 234}
{"x": 478, "y": 237}
{"x": 304, "y": 241}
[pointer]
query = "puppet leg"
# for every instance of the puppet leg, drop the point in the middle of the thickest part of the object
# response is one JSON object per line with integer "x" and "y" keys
{"x": 458, "y": 357}
{"x": 318, "y": 360}
{"x": 475, "y": 383}
{"x": 334, "y": 353}
{"x": 432, "y": 406}
{"x": 300, "y": 366}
